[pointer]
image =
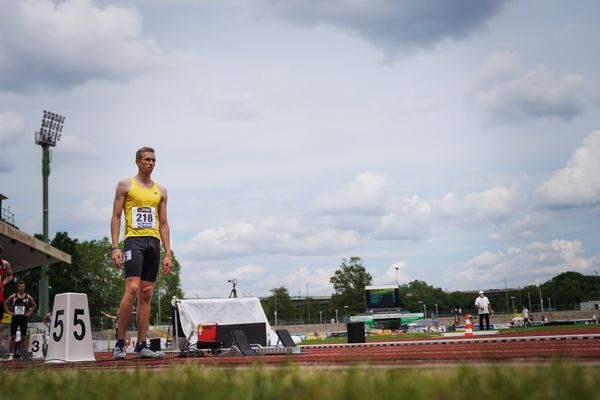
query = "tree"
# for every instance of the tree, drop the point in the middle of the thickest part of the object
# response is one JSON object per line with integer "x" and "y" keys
{"x": 280, "y": 300}
{"x": 349, "y": 282}
{"x": 92, "y": 272}
{"x": 165, "y": 288}
{"x": 100, "y": 280}
{"x": 65, "y": 277}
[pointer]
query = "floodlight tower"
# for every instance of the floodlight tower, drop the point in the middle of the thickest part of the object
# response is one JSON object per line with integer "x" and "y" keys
{"x": 47, "y": 136}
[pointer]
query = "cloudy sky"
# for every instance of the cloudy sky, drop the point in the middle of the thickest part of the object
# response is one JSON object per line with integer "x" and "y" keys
{"x": 457, "y": 140}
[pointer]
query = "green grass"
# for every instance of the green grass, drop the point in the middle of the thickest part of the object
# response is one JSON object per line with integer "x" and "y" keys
{"x": 558, "y": 381}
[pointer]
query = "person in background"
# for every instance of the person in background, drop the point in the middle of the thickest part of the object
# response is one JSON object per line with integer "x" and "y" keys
{"x": 47, "y": 320}
{"x": 113, "y": 318}
{"x": 456, "y": 315}
{"x": 20, "y": 306}
{"x": 485, "y": 308}
{"x": 525, "y": 313}
{"x": 6, "y": 275}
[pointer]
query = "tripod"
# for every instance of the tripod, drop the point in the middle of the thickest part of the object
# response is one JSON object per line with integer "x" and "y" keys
{"x": 233, "y": 292}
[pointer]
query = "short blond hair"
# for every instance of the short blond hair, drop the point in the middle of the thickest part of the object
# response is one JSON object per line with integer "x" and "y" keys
{"x": 138, "y": 154}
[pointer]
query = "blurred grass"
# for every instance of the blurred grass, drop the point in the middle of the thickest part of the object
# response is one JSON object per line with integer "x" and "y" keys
{"x": 557, "y": 381}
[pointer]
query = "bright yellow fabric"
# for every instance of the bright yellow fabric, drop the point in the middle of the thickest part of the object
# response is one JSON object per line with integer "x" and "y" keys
{"x": 138, "y": 216}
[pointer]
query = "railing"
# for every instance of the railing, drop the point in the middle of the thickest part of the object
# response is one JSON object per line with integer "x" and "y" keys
{"x": 7, "y": 216}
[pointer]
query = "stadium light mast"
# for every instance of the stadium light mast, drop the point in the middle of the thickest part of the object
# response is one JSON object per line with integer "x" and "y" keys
{"x": 47, "y": 136}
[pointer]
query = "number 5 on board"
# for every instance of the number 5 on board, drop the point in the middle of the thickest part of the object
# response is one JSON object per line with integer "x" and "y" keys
{"x": 70, "y": 330}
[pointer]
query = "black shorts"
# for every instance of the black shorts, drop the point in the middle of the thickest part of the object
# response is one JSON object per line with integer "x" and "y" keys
{"x": 141, "y": 257}
{"x": 18, "y": 321}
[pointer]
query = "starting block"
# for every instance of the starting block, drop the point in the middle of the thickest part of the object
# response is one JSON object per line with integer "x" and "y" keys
{"x": 36, "y": 346}
{"x": 70, "y": 331}
{"x": 240, "y": 340}
{"x": 242, "y": 347}
{"x": 285, "y": 338}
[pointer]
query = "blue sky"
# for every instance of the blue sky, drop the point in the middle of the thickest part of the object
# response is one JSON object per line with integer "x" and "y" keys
{"x": 455, "y": 140}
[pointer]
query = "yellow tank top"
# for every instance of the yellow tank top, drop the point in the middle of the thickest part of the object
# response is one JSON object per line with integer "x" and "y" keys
{"x": 141, "y": 210}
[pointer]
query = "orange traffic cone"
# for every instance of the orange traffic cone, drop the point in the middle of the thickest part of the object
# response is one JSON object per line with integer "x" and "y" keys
{"x": 468, "y": 326}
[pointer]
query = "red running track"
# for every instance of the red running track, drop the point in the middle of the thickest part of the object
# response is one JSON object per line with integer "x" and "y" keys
{"x": 573, "y": 345}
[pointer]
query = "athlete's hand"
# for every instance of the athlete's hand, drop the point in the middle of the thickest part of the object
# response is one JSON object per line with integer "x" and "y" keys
{"x": 167, "y": 264}
{"x": 117, "y": 257}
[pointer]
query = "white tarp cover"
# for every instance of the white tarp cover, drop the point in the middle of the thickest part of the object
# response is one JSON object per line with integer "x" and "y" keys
{"x": 246, "y": 310}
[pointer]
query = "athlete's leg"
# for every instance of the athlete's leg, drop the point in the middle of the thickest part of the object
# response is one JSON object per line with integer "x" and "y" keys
{"x": 132, "y": 288}
{"x": 132, "y": 265}
{"x": 143, "y": 309}
{"x": 13, "y": 335}
{"x": 11, "y": 344}
{"x": 24, "y": 336}
{"x": 148, "y": 277}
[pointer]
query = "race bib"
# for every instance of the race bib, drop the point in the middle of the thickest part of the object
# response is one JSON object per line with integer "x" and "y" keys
{"x": 143, "y": 217}
{"x": 19, "y": 310}
{"x": 127, "y": 256}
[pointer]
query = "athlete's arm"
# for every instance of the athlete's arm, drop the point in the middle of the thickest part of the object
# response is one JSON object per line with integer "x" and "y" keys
{"x": 46, "y": 319}
{"x": 164, "y": 230}
{"x": 6, "y": 303}
{"x": 33, "y": 306}
{"x": 115, "y": 221}
{"x": 9, "y": 273}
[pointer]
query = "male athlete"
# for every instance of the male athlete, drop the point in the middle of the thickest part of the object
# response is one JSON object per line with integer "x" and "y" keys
{"x": 144, "y": 203}
{"x": 6, "y": 275}
{"x": 20, "y": 306}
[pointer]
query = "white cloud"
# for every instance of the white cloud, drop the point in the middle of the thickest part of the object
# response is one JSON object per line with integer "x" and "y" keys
{"x": 365, "y": 195}
{"x": 577, "y": 184}
{"x": 495, "y": 203}
{"x": 509, "y": 91}
{"x": 524, "y": 226}
{"x": 363, "y": 212}
{"x": 522, "y": 265}
{"x": 406, "y": 219}
{"x": 77, "y": 148}
{"x": 89, "y": 213}
{"x": 231, "y": 106}
{"x": 48, "y": 44}
{"x": 201, "y": 279}
{"x": 317, "y": 280}
{"x": 368, "y": 206}
{"x": 11, "y": 127}
{"x": 395, "y": 270}
{"x": 268, "y": 236}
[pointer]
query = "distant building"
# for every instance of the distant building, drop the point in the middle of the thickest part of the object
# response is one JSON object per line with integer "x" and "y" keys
{"x": 22, "y": 250}
{"x": 300, "y": 302}
{"x": 5, "y": 214}
{"x": 590, "y": 305}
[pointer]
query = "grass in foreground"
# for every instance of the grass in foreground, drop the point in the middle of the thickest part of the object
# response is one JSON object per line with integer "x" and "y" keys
{"x": 558, "y": 381}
